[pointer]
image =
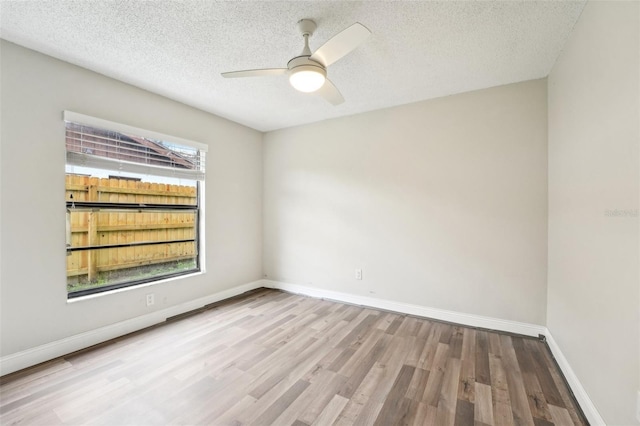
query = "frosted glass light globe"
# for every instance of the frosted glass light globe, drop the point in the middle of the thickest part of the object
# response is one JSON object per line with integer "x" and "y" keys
{"x": 307, "y": 78}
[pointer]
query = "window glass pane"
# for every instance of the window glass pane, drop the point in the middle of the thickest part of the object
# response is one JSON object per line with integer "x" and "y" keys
{"x": 97, "y": 143}
{"x": 126, "y": 228}
{"x": 132, "y": 199}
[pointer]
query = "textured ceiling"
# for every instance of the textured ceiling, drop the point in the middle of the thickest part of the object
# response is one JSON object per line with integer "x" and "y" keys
{"x": 418, "y": 50}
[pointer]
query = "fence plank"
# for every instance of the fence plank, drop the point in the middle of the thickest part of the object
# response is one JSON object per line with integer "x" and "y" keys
{"x": 92, "y": 230}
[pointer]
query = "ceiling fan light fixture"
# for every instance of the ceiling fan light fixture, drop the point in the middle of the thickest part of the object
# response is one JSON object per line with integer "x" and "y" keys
{"x": 308, "y": 71}
{"x": 307, "y": 78}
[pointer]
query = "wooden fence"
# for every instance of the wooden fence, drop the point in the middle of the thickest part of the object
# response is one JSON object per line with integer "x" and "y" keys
{"x": 93, "y": 227}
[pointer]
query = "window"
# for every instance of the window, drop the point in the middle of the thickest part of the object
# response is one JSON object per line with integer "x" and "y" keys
{"x": 133, "y": 200}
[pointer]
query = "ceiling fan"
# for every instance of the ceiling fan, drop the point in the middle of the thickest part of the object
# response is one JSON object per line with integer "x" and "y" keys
{"x": 308, "y": 72}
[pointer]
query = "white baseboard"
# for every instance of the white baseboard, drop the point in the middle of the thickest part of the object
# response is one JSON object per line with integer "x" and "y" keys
{"x": 526, "y": 329}
{"x": 406, "y": 308}
{"x": 48, "y": 351}
{"x": 579, "y": 392}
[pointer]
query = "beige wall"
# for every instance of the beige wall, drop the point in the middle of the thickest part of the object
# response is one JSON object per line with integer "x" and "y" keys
{"x": 442, "y": 203}
{"x": 35, "y": 91}
{"x": 594, "y": 132}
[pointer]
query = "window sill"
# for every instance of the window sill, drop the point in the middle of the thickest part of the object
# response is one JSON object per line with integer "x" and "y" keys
{"x": 136, "y": 287}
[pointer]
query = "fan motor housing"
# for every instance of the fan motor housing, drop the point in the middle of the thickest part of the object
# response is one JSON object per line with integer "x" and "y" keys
{"x": 304, "y": 61}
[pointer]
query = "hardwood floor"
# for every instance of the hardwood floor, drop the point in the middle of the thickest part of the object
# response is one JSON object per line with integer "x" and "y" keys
{"x": 273, "y": 358}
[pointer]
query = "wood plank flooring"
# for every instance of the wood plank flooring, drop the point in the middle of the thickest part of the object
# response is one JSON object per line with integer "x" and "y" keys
{"x": 273, "y": 358}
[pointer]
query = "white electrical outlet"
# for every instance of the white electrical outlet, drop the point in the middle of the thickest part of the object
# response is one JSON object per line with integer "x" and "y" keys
{"x": 150, "y": 300}
{"x": 358, "y": 274}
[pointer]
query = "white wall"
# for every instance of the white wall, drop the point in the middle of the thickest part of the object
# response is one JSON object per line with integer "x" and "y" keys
{"x": 594, "y": 132}
{"x": 442, "y": 203}
{"x": 35, "y": 91}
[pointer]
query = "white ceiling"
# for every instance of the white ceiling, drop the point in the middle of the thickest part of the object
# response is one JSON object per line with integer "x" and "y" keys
{"x": 418, "y": 50}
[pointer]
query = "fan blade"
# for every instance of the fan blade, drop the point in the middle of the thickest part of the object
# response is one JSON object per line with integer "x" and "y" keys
{"x": 255, "y": 73}
{"x": 341, "y": 44}
{"x": 330, "y": 93}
